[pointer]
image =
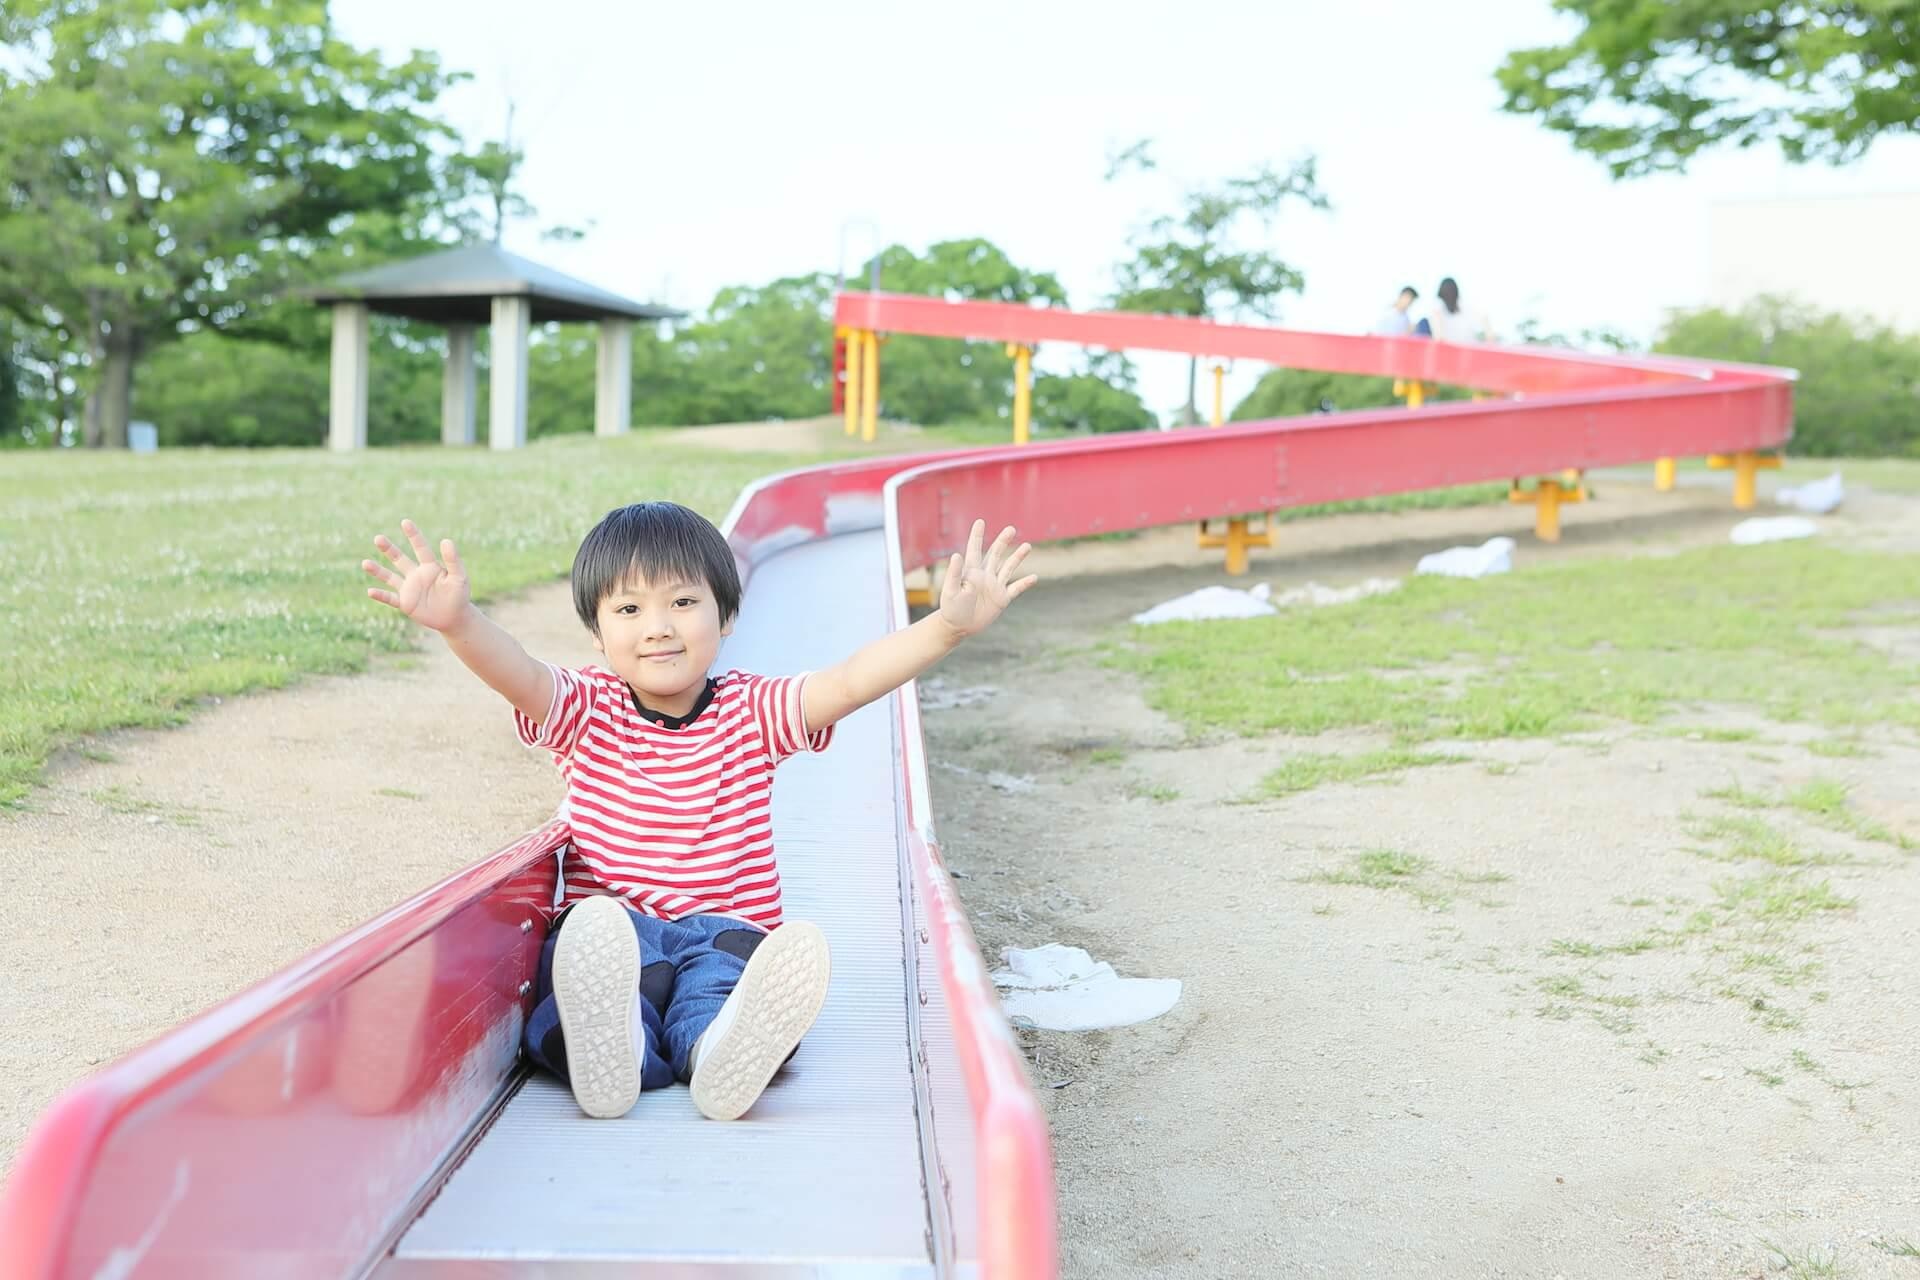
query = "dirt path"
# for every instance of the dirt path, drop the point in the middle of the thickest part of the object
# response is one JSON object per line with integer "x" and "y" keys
{"x": 143, "y": 889}
{"x": 1358, "y": 1081}
{"x": 1458, "y": 1063}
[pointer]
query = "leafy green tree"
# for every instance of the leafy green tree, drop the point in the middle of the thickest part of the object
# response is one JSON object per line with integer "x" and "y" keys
{"x": 1859, "y": 388}
{"x": 1287, "y": 393}
{"x": 933, "y": 381}
{"x": 1100, "y": 398}
{"x": 1645, "y": 85}
{"x": 12, "y": 394}
{"x": 1185, "y": 263}
{"x": 760, "y": 353}
{"x": 165, "y": 165}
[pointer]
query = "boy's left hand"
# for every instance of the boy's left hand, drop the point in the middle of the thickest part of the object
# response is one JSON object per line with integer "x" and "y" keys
{"x": 980, "y": 585}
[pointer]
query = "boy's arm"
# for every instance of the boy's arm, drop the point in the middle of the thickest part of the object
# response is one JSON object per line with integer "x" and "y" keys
{"x": 491, "y": 653}
{"x": 976, "y": 590}
{"x": 437, "y": 596}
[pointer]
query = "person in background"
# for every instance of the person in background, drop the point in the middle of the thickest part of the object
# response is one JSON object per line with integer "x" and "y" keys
{"x": 1398, "y": 322}
{"x": 1447, "y": 321}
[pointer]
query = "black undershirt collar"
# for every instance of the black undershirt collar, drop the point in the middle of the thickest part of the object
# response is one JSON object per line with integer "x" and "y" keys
{"x": 666, "y": 721}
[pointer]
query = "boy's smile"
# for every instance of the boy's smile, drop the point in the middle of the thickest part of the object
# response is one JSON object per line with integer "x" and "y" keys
{"x": 661, "y": 638}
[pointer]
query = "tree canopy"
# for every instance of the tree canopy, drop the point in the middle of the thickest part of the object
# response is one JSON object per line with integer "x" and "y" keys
{"x": 1645, "y": 85}
{"x": 167, "y": 164}
{"x": 1186, "y": 263}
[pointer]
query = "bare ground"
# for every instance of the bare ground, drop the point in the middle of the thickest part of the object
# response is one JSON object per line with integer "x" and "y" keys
{"x": 1402, "y": 1080}
{"x": 1515, "y": 1060}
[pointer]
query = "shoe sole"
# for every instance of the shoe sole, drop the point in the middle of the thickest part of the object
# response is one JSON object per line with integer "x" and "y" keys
{"x": 781, "y": 992}
{"x": 596, "y": 974}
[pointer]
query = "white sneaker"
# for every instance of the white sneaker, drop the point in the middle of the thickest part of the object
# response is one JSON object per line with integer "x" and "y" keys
{"x": 778, "y": 996}
{"x": 596, "y": 986}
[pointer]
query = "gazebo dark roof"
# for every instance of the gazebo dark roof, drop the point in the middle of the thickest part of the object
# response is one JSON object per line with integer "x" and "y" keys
{"x": 459, "y": 285}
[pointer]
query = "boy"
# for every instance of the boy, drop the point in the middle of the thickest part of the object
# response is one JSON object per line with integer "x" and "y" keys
{"x": 669, "y": 960}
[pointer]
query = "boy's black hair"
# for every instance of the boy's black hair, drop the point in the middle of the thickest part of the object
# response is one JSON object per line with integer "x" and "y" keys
{"x": 658, "y": 542}
{"x": 1410, "y": 291}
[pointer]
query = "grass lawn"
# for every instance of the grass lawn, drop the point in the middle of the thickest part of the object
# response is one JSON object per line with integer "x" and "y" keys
{"x": 140, "y": 584}
{"x": 143, "y": 584}
{"x": 1552, "y": 650}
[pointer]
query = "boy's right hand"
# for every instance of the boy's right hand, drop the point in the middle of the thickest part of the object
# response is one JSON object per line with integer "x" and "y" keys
{"x": 432, "y": 594}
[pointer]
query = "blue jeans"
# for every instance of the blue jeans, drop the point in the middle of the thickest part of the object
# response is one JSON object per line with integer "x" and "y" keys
{"x": 687, "y": 971}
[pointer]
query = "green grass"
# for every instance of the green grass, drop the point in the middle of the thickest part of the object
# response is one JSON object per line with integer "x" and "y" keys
{"x": 1899, "y": 1248}
{"x": 1803, "y": 1264}
{"x": 1825, "y": 802}
{"x": 1841, "y": 749}
{"x": 1549, "y": 651}
{"x": 138, "y": 585}
{"x": 1466, "y": 495}
{"x": 1714, "y": 735}
{"x": 1889, "y": 475}
{"x": 1750, "y": 839}
{"x": 1778, "y": 899}
{"x": 1388, "y": 869}
{"x": 1310, "y": 770}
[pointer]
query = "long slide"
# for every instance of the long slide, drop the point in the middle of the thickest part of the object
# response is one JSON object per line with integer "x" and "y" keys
{"x": 366, "y": 1112}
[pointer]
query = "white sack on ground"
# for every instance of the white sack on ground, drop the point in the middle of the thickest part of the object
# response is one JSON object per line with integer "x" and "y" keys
{"x": 1772, "y": 529}
{"x": 1210, "y": 602}
{"x": 1492, "y": 556}
{"x": 1060, "y": 988}
{"x": 1816, "y": 498}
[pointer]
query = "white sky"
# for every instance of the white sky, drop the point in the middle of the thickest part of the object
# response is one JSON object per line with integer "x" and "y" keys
{"x": 732, "y": 143}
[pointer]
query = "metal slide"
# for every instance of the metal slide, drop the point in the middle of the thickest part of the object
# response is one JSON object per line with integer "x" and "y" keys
{"x": 827, "y": 1170}
{"x": 365, "y": 1111}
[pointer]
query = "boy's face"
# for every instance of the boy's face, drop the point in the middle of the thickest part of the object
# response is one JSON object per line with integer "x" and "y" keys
{"x": 661, "y": 638}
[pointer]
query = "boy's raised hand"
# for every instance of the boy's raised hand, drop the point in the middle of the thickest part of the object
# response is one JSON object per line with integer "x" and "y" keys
{"x": 433, "y": 594}
{"x": 980, "y": 585}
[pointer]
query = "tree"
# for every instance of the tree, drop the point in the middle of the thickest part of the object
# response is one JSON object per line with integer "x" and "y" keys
{"x": 1184, "y": 264}
{"x": 165, "y": 165}
{"x": 1645, "y": 85}
{"x": 761, "y": 353}
{"x": 933, "y": 381}
{"x": 1100, "y": 398}
{"x": 12, "y": 406}
{"x": 1859, "y": 388}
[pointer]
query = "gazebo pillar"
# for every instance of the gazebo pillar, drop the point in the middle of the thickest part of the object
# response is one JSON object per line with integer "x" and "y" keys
{"x": 507, "y": 411}
{"x": 347, "y": 403}
{"x": 613, "y": 382}
{"x": 458, "y": 387}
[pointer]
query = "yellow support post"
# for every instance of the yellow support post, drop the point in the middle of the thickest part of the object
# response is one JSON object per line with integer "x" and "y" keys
{"x": 1022, "y": 390}
{"x": 1665, "y": 474}
{"x": 922, "y": 597}
{"x": 1548, "y": 497}
{"x": 870, "y": 383}
{"x": 1219, "y": 395}
{"x": 856, "y": 343}
{"x": 1237, "y": 539}
{"x": 1746, "y": 477}
{"x": 1416, "y": 394}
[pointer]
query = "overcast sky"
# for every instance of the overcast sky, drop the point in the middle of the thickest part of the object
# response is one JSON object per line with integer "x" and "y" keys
{"x": 731, "y": 143}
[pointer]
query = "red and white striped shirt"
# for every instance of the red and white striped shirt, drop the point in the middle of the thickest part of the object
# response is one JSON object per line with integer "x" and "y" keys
{"x": 677, "y": 820}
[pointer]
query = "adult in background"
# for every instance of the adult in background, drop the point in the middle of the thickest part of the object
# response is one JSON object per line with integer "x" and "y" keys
{"x": 1398, "y": 322}
{"x": 1447, "y": 321}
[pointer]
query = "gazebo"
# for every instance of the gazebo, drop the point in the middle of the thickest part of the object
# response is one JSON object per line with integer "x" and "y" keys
{"x": 463, "y": 289}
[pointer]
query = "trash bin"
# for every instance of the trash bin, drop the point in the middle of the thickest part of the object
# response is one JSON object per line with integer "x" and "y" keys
{"x": 142, "y": 437}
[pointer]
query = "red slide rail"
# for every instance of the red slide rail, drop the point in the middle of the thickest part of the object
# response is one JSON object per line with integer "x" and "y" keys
{"x": 295, "y": 1129}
